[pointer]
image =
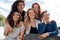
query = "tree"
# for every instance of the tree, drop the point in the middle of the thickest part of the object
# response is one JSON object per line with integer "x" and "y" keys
{"x": 2, "y": 20}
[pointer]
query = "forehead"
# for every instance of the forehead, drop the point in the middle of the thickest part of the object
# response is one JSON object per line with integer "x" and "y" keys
{"x": 31, "y": 10}
{"x": 16, "y": 13}
{"x": 35, "y": 5}
{"x": 46, "y": 13}
{"x": 20, "y": 3}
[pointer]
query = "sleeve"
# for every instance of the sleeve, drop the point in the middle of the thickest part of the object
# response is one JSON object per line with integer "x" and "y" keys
{"x": 55, "y": 30}
{"x": 41, "y": 28}
{"x": 22, "y": 28}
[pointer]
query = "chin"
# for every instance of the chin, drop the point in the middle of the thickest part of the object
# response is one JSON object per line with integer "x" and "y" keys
{"x": 32, "y": 17}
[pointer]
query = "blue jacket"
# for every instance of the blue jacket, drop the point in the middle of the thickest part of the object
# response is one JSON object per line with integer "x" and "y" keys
{"x": 51, "y": 28}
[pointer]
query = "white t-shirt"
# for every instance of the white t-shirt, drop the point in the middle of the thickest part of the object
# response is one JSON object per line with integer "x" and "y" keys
{"x": 15, "y": 33}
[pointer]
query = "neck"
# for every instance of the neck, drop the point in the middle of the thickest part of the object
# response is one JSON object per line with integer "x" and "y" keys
{"x": 21, "y": 11}
{"x": 14, "y": 23}
{"x": 32, "y": 19}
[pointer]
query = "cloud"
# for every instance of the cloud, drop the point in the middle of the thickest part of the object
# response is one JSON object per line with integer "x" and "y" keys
{"x": 29, "y": 0}
{"x": 3, "y": 13}
{"x": 4, "y": 7}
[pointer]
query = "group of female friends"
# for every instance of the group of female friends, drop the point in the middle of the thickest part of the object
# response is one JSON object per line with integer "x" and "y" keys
{"x": 20, "y": 23}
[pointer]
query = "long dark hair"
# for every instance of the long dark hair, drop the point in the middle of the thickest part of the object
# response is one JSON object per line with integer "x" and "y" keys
{"x": 15, "y": 4}
{"x": 10, "y": 19}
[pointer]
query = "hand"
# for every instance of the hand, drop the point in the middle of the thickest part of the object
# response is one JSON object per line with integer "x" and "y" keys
{"x": 18, "y": 38}
{"x": 6, "y": 31}
{"x": 44, "y": 35}
{"x": 8, "y": 26}
{"x": 10, "y": 29}
{"x": 20, "y": 24}
{"x": 43, "y": 19}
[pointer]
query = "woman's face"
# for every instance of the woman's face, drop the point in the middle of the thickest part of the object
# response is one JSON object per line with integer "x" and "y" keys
{"x": 31, "y": 14}
{"x": 46, "y": 16}
{"x": 20, "y": 6}
{"x": 35, "y": 7}
{"x": 15, "y": 16}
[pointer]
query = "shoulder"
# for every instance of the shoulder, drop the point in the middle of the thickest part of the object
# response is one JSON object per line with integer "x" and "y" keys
{"x": 53, "y": 21}
{"x": 37, "y": 21}
{"x": 22, "y": 25}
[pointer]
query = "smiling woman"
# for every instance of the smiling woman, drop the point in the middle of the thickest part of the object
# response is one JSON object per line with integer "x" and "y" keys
{"x": 14, "y": 18}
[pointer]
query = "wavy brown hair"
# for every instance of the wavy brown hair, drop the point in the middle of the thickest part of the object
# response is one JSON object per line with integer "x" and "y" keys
{"x": 38, "y": 9}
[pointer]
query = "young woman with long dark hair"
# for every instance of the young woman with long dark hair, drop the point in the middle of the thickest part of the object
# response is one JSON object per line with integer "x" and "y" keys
{"x": 14, "y": 18}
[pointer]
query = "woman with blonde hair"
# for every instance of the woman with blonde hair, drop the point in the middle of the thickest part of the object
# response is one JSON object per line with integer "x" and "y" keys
{"x": 30, "y": 22}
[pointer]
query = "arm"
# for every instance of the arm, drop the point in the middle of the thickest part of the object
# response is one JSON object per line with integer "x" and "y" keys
{"x": 6, "y": 31}
{"x": 21, "y": 36}
{"x": 6, "y": 22}
{"x": 7, "y": 25}
{"x": 55, "y": 29}
{"x": 41, "y": 28}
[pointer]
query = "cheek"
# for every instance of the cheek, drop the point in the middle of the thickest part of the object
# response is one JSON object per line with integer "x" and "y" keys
{"x": 19, "y": 7}
{"x": 32, "y": 15}
{"x": 15, "y": 17}
{"x": 35, "y": 8}
{"x": 48, "y": 16}
{"x": 22, "y": 6}
{"x": 18, "y": 17}
{"x": 29, "y": 15}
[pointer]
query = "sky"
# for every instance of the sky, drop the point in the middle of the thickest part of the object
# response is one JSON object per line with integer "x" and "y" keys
{"x": 52, "y": 6}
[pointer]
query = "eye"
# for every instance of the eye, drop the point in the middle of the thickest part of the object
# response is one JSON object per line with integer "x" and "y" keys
{"x": 17, "y": 15}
